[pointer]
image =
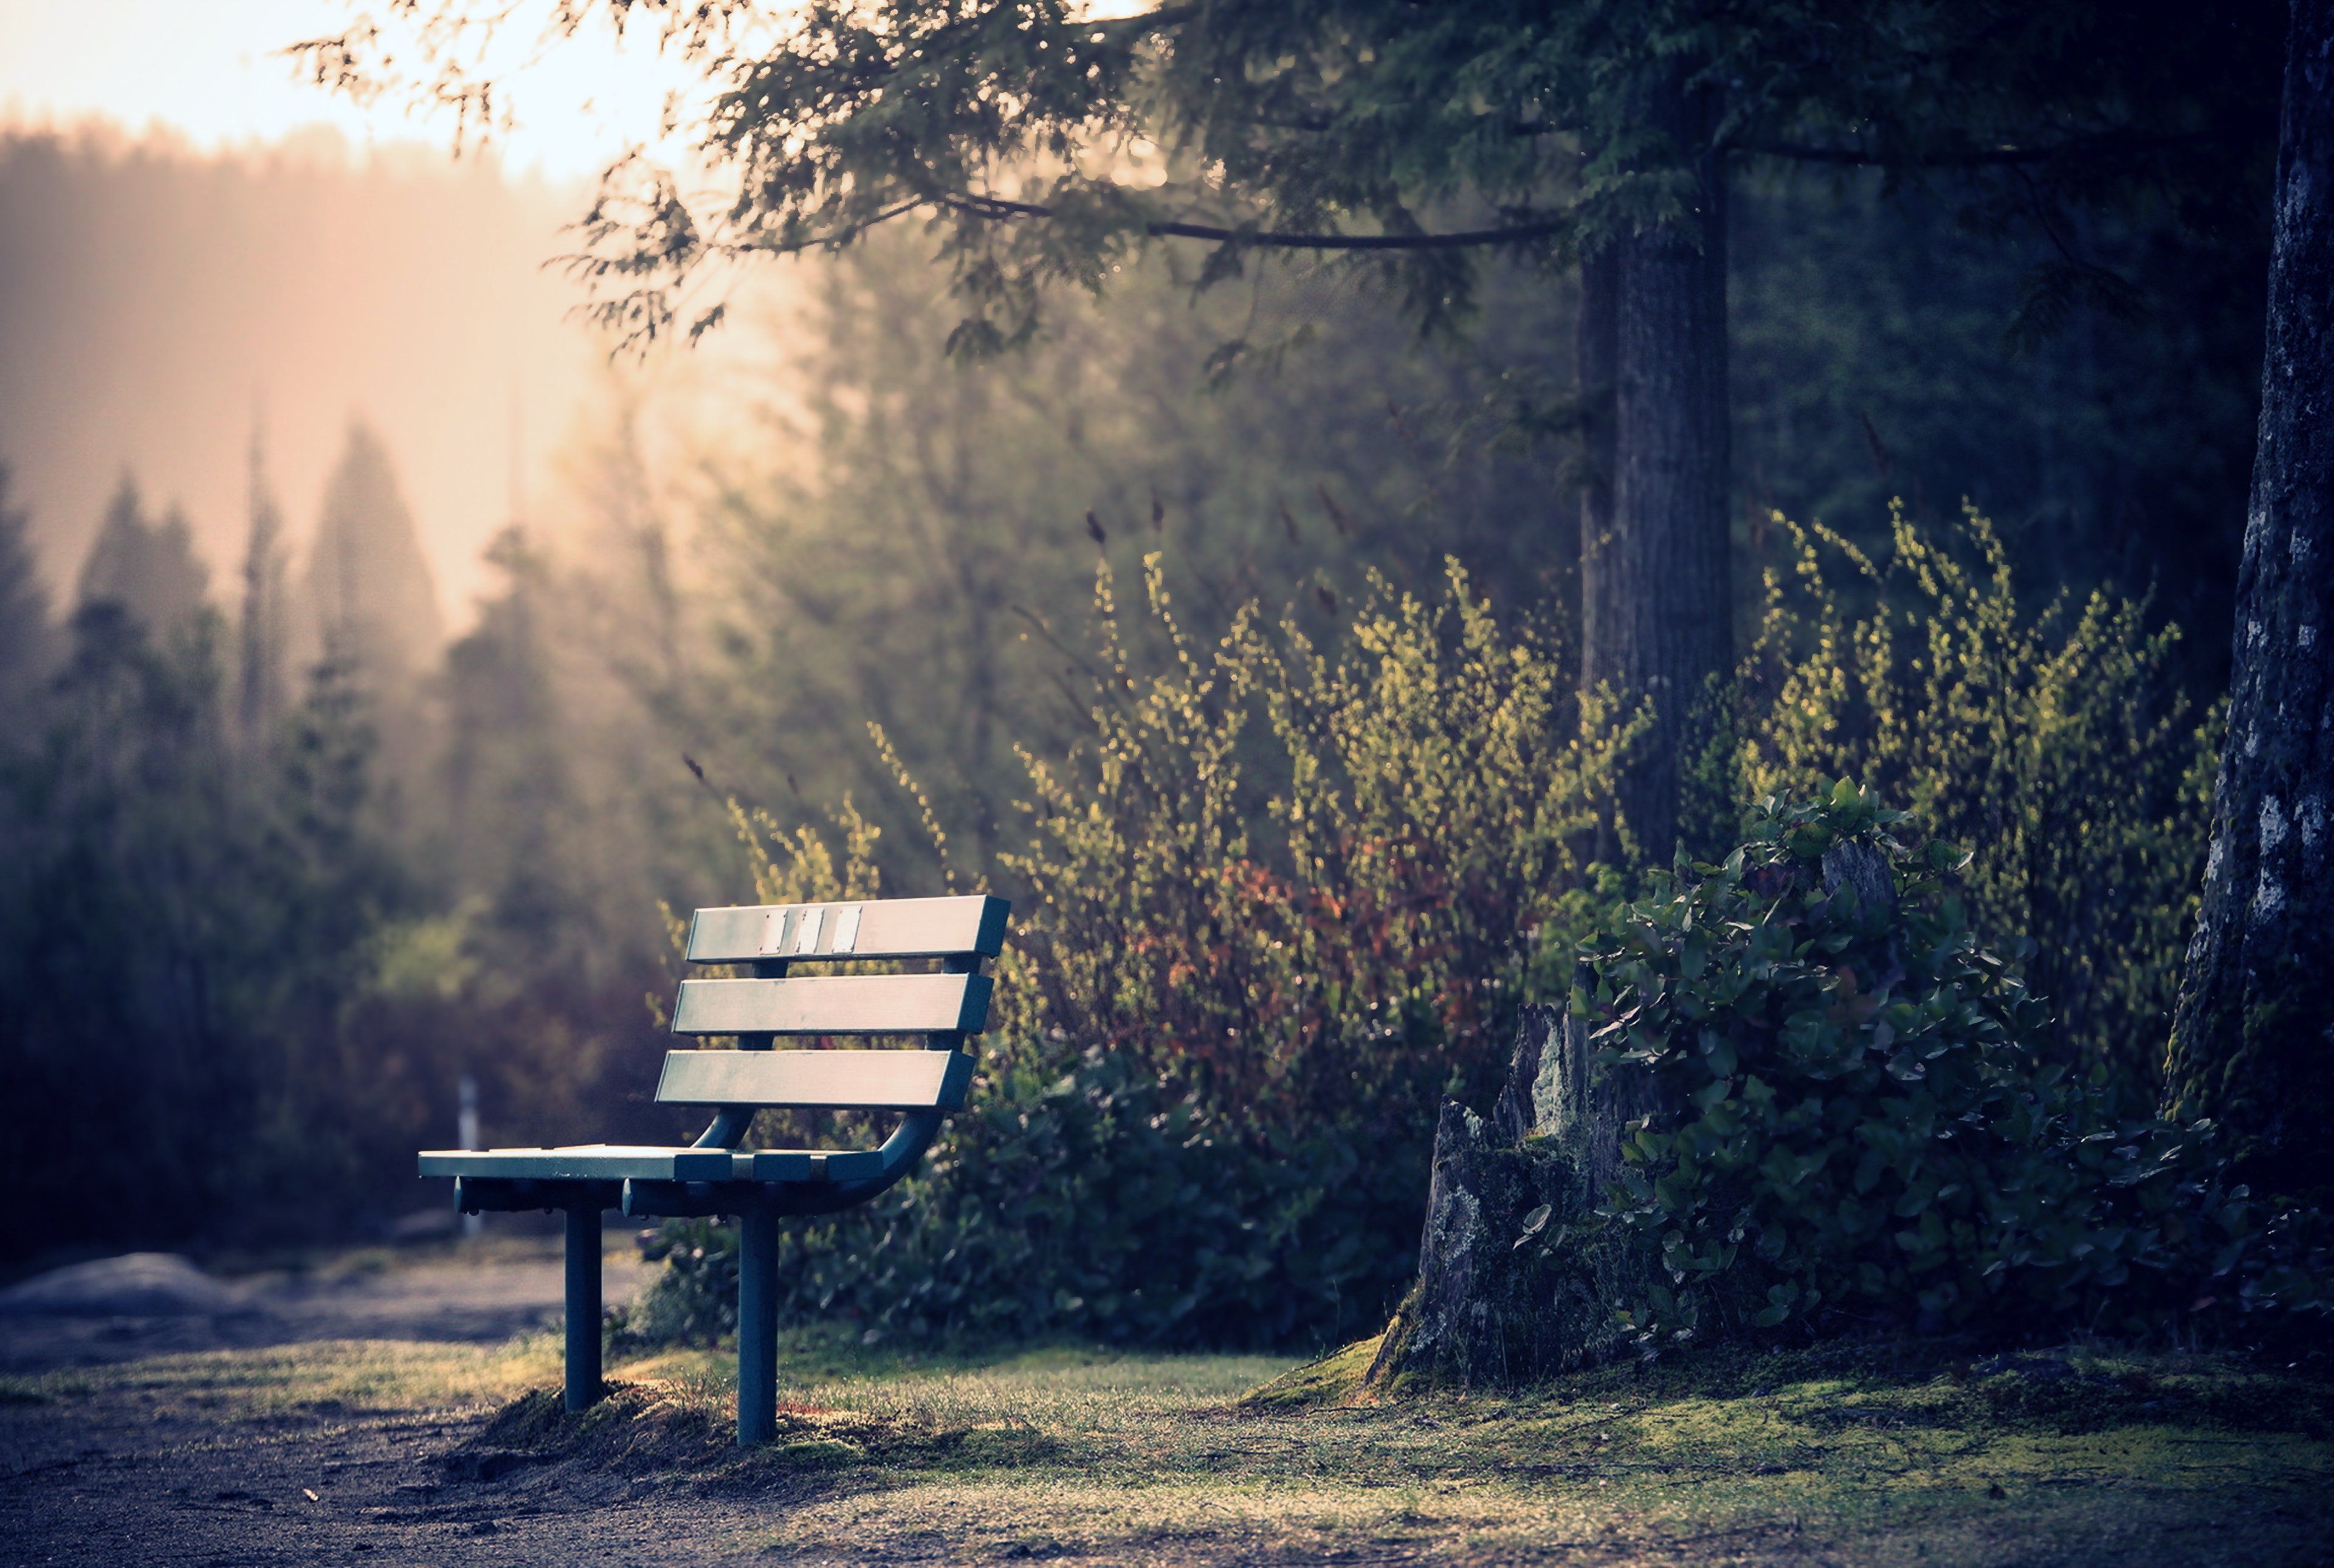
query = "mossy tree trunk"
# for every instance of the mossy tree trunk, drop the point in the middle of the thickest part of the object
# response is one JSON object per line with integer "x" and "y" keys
{"x": 1510, "y": 1289}
{"x": 2252, "y": 1041}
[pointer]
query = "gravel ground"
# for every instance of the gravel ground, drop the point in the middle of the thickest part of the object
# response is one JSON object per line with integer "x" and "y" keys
{"x": 481, "y": 1293}
{"x": 159, "y": 1473}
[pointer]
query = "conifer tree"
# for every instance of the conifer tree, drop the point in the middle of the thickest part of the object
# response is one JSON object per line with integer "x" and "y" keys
{"x": 148, "y": 569}
{"x": 260, "y": 631}
{"x": 24, "y": 631}
{"x": 1045, "y": 145}
{"x": 2250, "y": 1042}
{"x": 370, "y": 593}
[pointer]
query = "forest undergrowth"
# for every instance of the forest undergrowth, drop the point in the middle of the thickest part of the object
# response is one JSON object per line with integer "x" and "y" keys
{"x": 1283, "y": 899}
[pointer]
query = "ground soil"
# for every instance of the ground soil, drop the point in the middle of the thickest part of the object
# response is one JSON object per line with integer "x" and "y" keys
{"x": 412, "y": 1443}
{"x": 481, "y": 1292}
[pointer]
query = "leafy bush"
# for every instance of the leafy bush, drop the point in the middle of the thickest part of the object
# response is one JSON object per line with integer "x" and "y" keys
{"x": 1322, "y": 926}
{"x": 1279, "y": 902}
{"x": 2057, "y": 746}
{"x": 1099, "y": 1203}
{"x": 695, "y": 1300}
{"x": 1855, "y": 1117}
{"x": 1283, "y": 900}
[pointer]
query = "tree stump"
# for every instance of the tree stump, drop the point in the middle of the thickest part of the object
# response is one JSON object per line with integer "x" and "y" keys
{"x": 1517, "y": 1278}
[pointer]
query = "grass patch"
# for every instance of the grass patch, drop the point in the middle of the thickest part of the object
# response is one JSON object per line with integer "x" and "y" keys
{"x": 324, "y": 1378}
{"x": 1879, "y": 1452}
{"x": 1891, "y": 1449}
{"x": 1333, "y": 1379}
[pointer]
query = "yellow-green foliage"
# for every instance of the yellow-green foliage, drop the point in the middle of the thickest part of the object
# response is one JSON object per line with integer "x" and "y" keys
{"x": 1282, "y": 896}
{"x": 799, "y": 868}
{"x": 2056, "y": 747}
{"x": 1276, "y": 901}
{"x": 1293, "y": 881}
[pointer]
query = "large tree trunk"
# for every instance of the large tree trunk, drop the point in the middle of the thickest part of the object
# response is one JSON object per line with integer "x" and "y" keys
{"x": 2252, "y": 1043}
{"x": 1596, "y": 350}
{"x": 1656, "y": 612}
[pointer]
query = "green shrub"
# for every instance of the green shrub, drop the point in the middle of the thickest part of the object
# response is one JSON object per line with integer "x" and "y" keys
{"x": 2057, "y": 747}
{"x": 1283, "y": 900}
{"x": 1278, "y": 902}
{"x": 1098, "y": 1203}
{"x": 1857, "y": 1122}
{"x": 695, "y": 1300}
{"x": 1302, "y": 888}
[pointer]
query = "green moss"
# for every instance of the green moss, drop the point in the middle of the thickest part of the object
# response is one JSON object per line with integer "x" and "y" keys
{"x": 1335, "y": 1379}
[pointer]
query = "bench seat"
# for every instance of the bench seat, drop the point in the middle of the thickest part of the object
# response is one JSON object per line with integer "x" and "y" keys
{"x": 914, "y": 1090}
{"x": 648, "y": 1162}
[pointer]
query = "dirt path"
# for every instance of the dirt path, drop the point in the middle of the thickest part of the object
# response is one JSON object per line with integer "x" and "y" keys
{"x": 480, "y": 1294}
{"x": 403, "y": 1438}
{"x": 380, "y": 1452}
{"x": 107, "y": 1482}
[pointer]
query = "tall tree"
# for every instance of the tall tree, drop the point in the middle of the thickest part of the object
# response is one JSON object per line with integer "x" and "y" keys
{"x": 24, "y": 629}
{"x": 1656, "y": 610}
{"x": 1046, "y": 144}
{"x": 260, "y": 631}
{"x": 2254, "y": 1041}
{"x": 368, "y": 586}
{"x": 147, "y": 568}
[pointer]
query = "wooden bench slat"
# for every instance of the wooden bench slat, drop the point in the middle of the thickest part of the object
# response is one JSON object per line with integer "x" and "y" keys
{"x": 617, "y": 1162}
{"x": 834, "y": 1005}
{"x": 583, "y": 1163}
{"x": 817, "y": 1079}
{"x": 867, "y": 929}
{"x": 809, "y": 1165}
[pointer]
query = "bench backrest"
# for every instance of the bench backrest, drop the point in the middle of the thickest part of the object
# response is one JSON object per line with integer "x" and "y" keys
{"x": 944, "y": 1008}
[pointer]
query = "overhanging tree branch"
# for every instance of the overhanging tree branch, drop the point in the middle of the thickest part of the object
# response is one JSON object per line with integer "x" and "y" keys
{"x": 999, "y": 208}
{"x": 2100, "y": 147}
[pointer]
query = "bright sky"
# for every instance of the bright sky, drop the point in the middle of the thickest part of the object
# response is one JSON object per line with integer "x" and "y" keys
{"x": 210, "y": 71}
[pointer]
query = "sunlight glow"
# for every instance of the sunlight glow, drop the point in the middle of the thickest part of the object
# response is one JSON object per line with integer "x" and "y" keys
{"x": 215, "y": 74}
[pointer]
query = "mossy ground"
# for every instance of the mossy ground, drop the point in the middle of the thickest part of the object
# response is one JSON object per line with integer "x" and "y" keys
{"x": 1882, "y": 1453}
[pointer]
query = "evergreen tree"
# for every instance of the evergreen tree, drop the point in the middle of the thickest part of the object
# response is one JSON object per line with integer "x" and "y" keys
{"x": 373, "y": 605}
{"x": 506, "y": 771}
{"x": 24, "y": 631}
{"x": 1045, "y": 144}
{"x": 2250, "y": 1044}
{"x": 148, "y": 569}
{"x": 260, "y": 632}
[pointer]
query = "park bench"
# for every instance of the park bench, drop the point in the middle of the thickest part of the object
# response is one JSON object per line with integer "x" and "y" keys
{"x": 716, "y": 1174}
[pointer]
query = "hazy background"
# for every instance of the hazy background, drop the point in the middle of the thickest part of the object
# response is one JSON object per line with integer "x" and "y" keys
{"x": 292, "y": 839}
{"x": 193, "y": 241}
{"x": 160, "y": 307}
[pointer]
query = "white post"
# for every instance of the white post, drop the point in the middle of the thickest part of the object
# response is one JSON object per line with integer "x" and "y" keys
{"x": 465, "y": 1136}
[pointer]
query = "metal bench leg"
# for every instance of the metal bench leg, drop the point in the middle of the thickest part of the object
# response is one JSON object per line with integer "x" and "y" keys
{"x": 583, "y": 1385}
{"x": 758, "y": 1328}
